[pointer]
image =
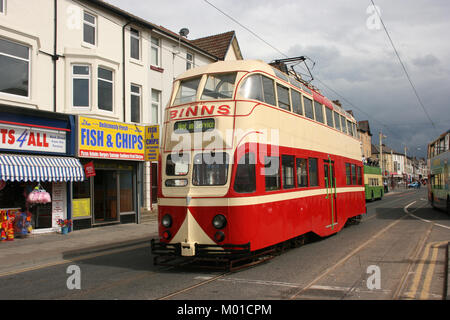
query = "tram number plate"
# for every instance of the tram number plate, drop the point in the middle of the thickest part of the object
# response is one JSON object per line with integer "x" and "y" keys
{"x": 190, "y": 126}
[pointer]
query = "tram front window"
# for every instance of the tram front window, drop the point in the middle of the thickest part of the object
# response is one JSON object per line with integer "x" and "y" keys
{"x": 210, "y": 169}
{"x": 219, "y": 86}
{"x": 187, "y": 91}
{"x": 177, "y": 164}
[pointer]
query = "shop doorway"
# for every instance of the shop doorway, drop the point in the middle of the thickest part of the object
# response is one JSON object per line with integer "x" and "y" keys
{"x": 105, "y": 196}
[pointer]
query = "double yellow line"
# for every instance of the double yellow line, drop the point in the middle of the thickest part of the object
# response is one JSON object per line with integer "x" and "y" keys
{"x": 429, "y": 274}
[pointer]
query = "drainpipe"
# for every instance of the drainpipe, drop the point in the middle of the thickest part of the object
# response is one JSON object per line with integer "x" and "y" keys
{"x": 123, "y": 70}
{"x": 55, "y": 56}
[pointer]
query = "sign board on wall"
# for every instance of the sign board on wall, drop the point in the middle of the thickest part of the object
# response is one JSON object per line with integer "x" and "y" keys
{"x": 110, "y": 140}
{"x": 152, "y": 143}
{"x": 58, "y": 202}
{"x": 81, "y": 207}
{"x": 32, "y": 139}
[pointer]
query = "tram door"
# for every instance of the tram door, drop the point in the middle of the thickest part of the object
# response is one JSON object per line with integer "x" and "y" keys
{"x": 330, "y": 185}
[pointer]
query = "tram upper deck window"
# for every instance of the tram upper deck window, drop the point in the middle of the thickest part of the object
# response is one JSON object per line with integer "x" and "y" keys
{"x": 283, "y": 97}
{"x": 329, "y": 114}
{"x": 259, "y": 88}
{"x": 177, "y": 164}
{"x": 309, "y": 112}
{"x": 318, "y": 109}
{"x": 219, "y": 86}
{"x": 337, "y": 120}
{"x": 296, "y": 102}
{"x": 187, "y": 91}
{"x": 344, "y": 124}
{"x": 350, "y": 128}
{"x": 210, "y": 169}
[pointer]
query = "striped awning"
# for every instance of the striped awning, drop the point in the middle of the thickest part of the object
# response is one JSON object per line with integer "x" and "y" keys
{"x": 40, "y": 168}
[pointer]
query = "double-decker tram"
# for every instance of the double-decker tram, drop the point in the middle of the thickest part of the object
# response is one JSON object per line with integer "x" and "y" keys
{"x": 250, "y": 158}
{"x": 373, "y": 183}
{"x": 439, "y": 177}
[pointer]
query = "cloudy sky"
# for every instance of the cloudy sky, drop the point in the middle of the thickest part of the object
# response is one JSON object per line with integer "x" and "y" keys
{"x": 351, "y": 51}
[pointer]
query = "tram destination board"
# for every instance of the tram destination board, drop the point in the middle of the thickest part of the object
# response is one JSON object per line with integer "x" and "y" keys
{"x": 198, "y": 125}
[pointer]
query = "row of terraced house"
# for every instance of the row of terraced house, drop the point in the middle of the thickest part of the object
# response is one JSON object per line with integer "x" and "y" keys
{"x": 72, "y": 74}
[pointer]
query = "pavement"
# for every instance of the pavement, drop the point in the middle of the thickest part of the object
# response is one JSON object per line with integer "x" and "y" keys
{"x": 38, "y": 250}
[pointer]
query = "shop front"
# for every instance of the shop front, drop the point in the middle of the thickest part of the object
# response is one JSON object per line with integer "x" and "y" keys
{"x": 37, "y": 168}
{"x": 113, "y": 156}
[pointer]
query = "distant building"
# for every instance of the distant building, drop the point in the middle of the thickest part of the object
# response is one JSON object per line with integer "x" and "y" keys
{"x": 365, "y": 136}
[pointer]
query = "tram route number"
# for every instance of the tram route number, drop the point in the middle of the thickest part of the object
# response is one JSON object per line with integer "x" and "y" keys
{"x": 225, "y": 310}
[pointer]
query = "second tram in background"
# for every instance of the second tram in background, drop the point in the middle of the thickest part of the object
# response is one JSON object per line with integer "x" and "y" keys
{"x": 439, "y": 177}
{"x": 250, "y": 158}
{"x": 373, "y": 183}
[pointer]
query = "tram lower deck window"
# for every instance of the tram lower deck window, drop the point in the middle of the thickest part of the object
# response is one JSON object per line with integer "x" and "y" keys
{"x": 245, "y": 180}
{"x": 272, "y": 173}
{"x": 210, "y": 169}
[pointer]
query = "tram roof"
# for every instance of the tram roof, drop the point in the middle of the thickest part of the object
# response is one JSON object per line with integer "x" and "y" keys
{"x": 256, "y": 66}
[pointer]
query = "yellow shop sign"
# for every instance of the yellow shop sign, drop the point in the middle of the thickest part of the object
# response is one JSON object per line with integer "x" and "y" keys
{"x": 110, "y": 140}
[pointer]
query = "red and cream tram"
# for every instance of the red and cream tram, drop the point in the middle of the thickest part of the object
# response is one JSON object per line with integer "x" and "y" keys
{"x": 251, "y": 157}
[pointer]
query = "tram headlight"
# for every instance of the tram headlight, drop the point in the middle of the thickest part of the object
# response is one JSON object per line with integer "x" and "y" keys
{"x": 219, "y": 221}
{"x": 166, "y": 221}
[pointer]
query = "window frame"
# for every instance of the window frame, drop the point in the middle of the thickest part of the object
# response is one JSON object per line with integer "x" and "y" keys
{"x": 328, "y": 112}
{"x": 277, "y": 174}
{"x": 157, "y": 104}
{"x": 316, "y": 171}
{"x": 157, "y": 47}
{"x": 28, "y": 96}
{"x": 297, "y": 172}
{"x": 131, "y": 101}
{"x": 82, "y": 77}
{"x": 93, "y": 25}
{"x": 289, "y": 105}
{"x": 318, "y": 109}
{"x": 312, "y": 108}
{"x": 189, "y": 62}
{"x": 112, "y": 88}
{"x": 295, "y": 92}
{"x": 138, "y": 38}
{"x": 250, "y": 156}
{"x": 291, "y": 158}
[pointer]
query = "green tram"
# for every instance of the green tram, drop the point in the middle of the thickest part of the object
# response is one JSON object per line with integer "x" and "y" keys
{"x": 373, "y": 183}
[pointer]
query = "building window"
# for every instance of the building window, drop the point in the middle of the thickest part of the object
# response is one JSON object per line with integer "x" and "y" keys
{"x": 154, "y": 56}
{"x": 156, "y": 102}
{"x": 135, "y": 103}
{"x": 105, "y": 89}
{"x": 135, "y": 44}
{"x": 81, "y": 77}
{"x": 89, "y": 27}
{"x": 189, "y": 60}
{"x": 14, "y": 68}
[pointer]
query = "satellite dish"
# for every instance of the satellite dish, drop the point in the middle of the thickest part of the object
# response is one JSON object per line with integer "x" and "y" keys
{"x": 184, "y": 32}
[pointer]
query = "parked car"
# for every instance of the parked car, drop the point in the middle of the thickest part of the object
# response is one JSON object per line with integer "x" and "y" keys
{"x": 415, "y": 184}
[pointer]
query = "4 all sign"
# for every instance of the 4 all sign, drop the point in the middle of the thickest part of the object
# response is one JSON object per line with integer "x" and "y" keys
{"x": 32, "y": 139}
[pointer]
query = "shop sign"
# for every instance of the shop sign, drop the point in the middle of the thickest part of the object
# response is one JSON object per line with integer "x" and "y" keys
{"x": 110, "y": 140}
{"x": 81, "y": 207}
{"x": 89, "y": 170}
{"x": 152, "y": 143}
{"x": 32, "y": 139}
